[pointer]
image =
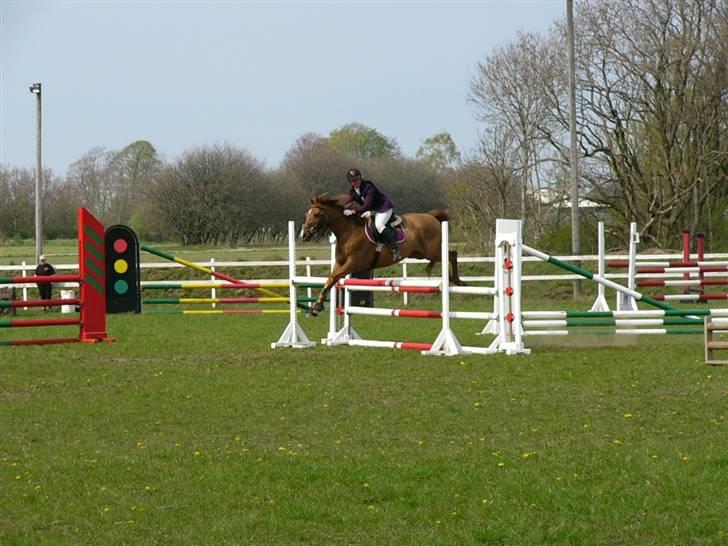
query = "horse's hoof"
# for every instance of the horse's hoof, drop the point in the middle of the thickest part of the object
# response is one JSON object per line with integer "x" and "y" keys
{"x": 311, "y": 314}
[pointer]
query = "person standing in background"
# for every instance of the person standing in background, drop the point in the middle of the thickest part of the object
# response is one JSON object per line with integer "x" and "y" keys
{"x": 46, "y": 289}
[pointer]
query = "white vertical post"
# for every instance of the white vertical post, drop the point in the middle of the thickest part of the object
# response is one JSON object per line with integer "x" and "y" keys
{"x": 293, "y": 335}
{"x": 213, "y": 291}
{"x": 624, "y": 301}
{"x": 492, "y": 326}
{"x": 445, "y": 281}
{"x": 446, "y": 343}
{"x": 332, "y": 295}
{"x": 510, "y": 336}
{"x": 347, "y": 332}
{"x": 405, "y": 298}
{"x": 308, "y": 274}
{"x": 516, "y": 282}
{"x": 600, "y": 304}
{"x": 25, "y": 288}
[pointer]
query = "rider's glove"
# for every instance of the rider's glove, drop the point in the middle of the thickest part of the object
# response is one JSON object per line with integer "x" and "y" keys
{"x": 348, "y": 212}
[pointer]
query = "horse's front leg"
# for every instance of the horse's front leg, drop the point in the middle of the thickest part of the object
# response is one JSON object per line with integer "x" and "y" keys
{"x": 339, "y": 272}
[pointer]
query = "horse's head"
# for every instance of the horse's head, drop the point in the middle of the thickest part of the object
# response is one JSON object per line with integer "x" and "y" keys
{"x": 325, "y": 213}
{"x": 315, "y": 222}
{"x": 317, "y": 217}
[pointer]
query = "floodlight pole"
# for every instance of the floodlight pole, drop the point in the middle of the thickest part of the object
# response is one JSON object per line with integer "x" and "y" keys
{"x": 575, "y": 239}
{"x": 35, "y": 89}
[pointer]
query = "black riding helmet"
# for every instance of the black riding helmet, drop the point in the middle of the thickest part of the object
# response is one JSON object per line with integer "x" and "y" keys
{"x": 353, "y": 174}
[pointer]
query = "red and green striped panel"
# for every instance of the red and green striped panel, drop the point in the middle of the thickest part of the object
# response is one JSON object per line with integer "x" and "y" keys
{"x": 93, "y": 276}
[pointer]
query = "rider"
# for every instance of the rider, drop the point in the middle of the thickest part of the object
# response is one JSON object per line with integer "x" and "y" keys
{"x": 371, "y": 200}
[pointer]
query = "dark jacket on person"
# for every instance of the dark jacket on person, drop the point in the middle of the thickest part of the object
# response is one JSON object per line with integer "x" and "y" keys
{"x": 370, "y": 198}
{"x": 43, "y": 270}
{"x": 45, "y": 289}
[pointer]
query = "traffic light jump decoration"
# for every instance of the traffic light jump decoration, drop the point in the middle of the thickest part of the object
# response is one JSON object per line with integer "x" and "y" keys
{"x": 123, "y": 287}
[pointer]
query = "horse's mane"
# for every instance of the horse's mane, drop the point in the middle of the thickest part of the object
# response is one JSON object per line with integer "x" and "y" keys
{"x": 324, "y": 199}
{"x": 336, "y": 201}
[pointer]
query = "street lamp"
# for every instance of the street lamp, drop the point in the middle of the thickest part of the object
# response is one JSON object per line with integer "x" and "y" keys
{"x": 35, "y": 89}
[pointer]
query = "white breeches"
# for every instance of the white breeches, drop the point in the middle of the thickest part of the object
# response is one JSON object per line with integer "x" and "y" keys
{"x": 381, "y": 219}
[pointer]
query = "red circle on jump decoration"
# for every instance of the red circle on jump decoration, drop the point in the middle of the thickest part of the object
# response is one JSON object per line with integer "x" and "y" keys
{"x": 120, "y": 245}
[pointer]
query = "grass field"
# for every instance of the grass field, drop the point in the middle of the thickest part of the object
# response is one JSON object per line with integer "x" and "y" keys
{"x": 191, "y": 430}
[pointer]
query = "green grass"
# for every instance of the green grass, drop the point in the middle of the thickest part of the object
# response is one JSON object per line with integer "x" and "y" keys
{"x": 191, "y": 430}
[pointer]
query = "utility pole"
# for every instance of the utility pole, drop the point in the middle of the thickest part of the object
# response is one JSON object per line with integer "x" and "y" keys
{"x": 35, "y": 89}
{"x": 575, "y": 239}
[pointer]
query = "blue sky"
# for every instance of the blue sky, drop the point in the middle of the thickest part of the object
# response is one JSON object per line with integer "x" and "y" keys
{"x": 255, "y": 75}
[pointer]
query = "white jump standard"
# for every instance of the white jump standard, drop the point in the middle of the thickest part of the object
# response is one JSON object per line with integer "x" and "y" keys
{"x": 446, "y": 342}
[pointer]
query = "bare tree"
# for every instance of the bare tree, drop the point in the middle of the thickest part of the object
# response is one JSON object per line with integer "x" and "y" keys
{"x": 211, "y": 195}
{"x": 314, "y": 167}
{"x": 413, "y": 185}
{"x": 652, "y": 86}
{"x": 17, "y": 206}
{"x": 92, "y": 177}
{"x": 506, "y": 92}
{"x": 486, "y": 188}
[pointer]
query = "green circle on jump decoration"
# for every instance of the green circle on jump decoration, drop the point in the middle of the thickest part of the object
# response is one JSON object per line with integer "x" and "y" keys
{"x": 121, "y": 286}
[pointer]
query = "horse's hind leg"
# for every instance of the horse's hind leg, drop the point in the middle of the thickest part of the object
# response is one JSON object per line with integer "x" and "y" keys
{"x": 455, "y": 275}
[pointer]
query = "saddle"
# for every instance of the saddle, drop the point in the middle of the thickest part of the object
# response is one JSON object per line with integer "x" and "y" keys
{"x": 397, "y": 225}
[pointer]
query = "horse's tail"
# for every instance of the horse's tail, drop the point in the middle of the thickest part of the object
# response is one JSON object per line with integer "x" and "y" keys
{"x": 441, "y": 214}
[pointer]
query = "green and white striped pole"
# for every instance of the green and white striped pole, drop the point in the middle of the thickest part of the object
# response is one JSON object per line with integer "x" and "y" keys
{"x": 597, "y": 278}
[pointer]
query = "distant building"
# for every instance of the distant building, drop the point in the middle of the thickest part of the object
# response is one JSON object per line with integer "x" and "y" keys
{"x": 553, "y": 198}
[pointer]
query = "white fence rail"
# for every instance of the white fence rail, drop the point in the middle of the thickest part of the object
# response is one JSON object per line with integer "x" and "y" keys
{"x": 24, "y": 269}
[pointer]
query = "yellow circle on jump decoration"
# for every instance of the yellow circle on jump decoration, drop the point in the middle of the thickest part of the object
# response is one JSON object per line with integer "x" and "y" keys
{"x": 120, "y": 266}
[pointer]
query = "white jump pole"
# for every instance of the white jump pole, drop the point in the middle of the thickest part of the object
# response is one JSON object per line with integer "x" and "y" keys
{"x": 333, "y": 294}
{"x": 213, "y": 291}
{"x": 600, "y": 304}
{"x": 347, "y": 332}
{"x": 624, "y": 301}
{"x": 293, "y": 335}
{"x": 446, "y": 343}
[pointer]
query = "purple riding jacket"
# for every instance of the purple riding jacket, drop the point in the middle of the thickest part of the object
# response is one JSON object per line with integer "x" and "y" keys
{"x": 370, "y": 198}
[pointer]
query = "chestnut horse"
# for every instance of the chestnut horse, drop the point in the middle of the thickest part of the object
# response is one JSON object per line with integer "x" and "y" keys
{"x": 354, "y": 252}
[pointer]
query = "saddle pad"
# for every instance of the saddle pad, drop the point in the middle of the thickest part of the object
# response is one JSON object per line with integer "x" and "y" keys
{"x": 400, "y": 235}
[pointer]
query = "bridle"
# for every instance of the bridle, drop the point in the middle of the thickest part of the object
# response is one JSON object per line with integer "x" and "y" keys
{"x": 320, "y": 224}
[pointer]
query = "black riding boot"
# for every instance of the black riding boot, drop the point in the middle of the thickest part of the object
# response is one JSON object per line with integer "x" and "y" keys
{"x": 387, "y": 236}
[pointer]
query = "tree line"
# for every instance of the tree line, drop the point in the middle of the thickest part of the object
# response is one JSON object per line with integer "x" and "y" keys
{"x": 652, "y": 122}
{"x": 217, "y": 194}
